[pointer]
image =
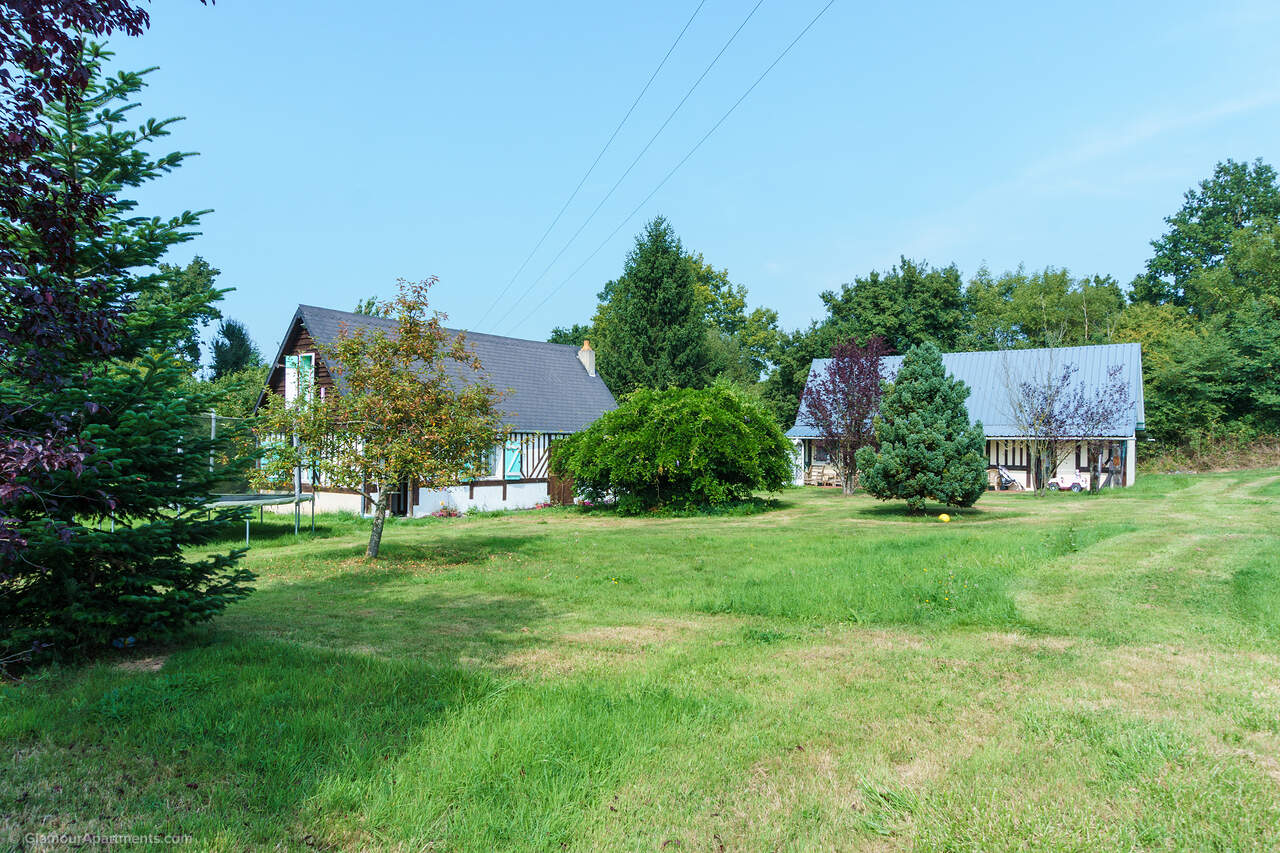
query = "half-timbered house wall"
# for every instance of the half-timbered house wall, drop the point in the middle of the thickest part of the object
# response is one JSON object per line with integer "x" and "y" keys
{"x": 551, "y": 383}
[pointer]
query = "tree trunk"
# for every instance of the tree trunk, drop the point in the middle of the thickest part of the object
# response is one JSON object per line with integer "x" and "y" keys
{"x": 849, "y": 481}
{"x": 379, "y": 519}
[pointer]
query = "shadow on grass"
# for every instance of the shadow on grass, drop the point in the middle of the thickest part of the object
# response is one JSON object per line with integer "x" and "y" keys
{"x": 898, "y": 511}
{"x": 756, "y": 505}
{"x": 277, "y": 529}
{"x": 304, "y": 684}
{"x": 398, "y": 555}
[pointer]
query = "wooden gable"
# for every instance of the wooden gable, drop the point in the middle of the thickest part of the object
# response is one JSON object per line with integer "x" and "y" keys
{"x": 298, "y": 341}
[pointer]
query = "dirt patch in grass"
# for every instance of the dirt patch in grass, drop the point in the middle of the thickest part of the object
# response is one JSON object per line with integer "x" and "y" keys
{"x": 630, "y": 636}
{"x": 1261, "y": 750}
{"x": 147, "y": 664}
{"x": 1014, "y": 640}
{"x": 607, "y": 645}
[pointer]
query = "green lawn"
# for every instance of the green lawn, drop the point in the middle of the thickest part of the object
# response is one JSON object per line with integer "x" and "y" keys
{"x": 1065, "y": 673}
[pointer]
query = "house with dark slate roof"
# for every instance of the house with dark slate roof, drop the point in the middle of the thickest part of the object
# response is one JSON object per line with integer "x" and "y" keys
{"x": 990, "y": 376}
{"x": 551, "y": 390}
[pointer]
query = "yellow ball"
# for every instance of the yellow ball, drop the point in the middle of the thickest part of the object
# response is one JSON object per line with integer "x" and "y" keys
{"x": 944, "y": 517}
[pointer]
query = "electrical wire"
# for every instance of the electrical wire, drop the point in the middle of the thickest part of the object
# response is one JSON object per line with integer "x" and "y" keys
{"x": 593, "y": 165}
{"x": 683, "y": 160}
{"x": 643, "y": 150}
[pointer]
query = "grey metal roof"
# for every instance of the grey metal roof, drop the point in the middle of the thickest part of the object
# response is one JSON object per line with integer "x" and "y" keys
{"x": 546, "y": 387}
{"x": 988, "y": 376}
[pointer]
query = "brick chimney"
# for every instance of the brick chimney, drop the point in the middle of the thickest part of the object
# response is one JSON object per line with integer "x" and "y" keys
{"x": 587, "y": 356}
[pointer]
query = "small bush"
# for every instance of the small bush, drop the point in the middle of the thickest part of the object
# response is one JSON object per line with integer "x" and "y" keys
{"x": 680, "y": 449}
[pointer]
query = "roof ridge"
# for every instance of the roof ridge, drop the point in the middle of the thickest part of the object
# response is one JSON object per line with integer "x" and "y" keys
{"x": 467, "y": 332}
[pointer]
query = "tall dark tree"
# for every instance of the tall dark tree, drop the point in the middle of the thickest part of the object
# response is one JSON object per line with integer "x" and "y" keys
{"x": 1200, "y": 234}
{"x": 725, "y": 302}
{"x": 370, "y": 307}
{"x": 69, "y": 582}
{"x": 842, "y": 400}
{"x": 575, "y": 334}
{"x": 184, "y": 294}
{"x": 1044, "y": 308}
{"x": 51, "y": 320}
{"x": 928, "y": 450}
{"x": 233, "y": 350}
{"x": 651, "y": 323}
{"x": 913, "y": 303}
{"x": 791, "y": 358}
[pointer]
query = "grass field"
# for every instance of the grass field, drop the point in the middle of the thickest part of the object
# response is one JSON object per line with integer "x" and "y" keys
{"x": 1066, "y": 673}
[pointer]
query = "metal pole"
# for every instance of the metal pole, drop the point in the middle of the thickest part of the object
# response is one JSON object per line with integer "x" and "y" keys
{"x": 246, "y": 532}
{"x": 297, "y": 490}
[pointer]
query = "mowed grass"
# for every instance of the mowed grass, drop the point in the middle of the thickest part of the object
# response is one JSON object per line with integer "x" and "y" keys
{"x": 1065, "y": 673}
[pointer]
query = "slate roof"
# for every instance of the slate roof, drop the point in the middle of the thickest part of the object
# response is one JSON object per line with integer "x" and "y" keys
{"x": 547, "y": 388}
{"x": 985, "y": 373}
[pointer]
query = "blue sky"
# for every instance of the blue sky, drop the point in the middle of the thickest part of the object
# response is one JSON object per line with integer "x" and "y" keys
{"x": 343, "y": 146}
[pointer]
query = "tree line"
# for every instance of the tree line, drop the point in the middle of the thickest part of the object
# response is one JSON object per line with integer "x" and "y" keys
{"x": 1206, "y": 310}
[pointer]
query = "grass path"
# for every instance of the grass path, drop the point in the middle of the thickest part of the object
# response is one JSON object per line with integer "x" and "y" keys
{"x": 1068, "y": 673}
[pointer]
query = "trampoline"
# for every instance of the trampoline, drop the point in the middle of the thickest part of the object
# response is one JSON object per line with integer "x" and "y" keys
{"x": 261, "y": 501}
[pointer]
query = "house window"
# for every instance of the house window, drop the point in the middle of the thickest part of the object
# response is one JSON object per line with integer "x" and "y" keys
{"x": 299, "y": 375}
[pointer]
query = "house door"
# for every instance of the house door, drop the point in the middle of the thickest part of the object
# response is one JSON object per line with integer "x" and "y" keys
{"x": 560, "y": 490}
{"x": 398, "y": 500}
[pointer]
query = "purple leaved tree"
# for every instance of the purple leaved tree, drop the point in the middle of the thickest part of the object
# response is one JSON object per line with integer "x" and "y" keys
{"x": 55, "y": 320}
{"x": 1039, "y": 406}
{"x": 1098, "y": 415}
{"x": 842, "y": 401}
{"x": 1056, "y": 412}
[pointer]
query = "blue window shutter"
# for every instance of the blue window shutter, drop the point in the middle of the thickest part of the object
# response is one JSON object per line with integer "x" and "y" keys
{"x": 513, "y": 460}
{"x": 291, "y": 364}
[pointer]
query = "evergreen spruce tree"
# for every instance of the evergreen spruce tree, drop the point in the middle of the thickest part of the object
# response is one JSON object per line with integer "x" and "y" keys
{"x": 928, "y": 450}
{"x": 104, "y": 562}
{"x": 652, "y": 325}
{"x": 233, "y": 350}
{"x": 183, "y": 292}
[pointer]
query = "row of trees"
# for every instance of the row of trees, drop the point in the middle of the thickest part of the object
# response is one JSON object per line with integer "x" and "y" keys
{"x": 1206, "y": 311}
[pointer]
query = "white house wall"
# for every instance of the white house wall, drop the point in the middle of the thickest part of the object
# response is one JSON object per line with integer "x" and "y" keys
{"x": 325, "y": 502}
{"x": 487, "y": 498}
{"x": 1012, "y": 454}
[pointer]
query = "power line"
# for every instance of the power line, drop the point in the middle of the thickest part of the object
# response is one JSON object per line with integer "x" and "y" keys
{"x": 594, "y": 163}
{"x": 646, "y": 147}
{"x": 684, "y": 159}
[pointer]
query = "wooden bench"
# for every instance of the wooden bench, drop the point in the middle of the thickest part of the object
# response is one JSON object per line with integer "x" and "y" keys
{"x": 821, "y": 475}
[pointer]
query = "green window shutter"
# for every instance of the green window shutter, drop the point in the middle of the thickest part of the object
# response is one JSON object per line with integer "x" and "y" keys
{"x": 513, "y": 460}
{"x": 291, "y": 364}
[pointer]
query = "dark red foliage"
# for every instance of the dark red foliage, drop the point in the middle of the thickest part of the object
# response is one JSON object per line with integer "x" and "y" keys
{"x": 50, "y": 315}
{"x": 51, "y": 324}
{"x": 842, "y": 401}
{"x": 1057, "y": 410}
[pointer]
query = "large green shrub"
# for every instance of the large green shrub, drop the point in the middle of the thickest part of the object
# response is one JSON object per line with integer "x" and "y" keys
{"x": 682, "y": 448}
{"x": 928, "y": 450}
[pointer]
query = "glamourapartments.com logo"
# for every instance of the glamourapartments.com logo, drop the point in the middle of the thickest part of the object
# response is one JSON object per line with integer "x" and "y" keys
{"x": 54, "y": 839}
